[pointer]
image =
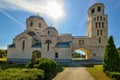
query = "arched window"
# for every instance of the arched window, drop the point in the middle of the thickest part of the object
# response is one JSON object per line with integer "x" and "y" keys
{"x": 31, "y": 24}
{"x": 23, "y": 45}
{"x": 56, "y": 55}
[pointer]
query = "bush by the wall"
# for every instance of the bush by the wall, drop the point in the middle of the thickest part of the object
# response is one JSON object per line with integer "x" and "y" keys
{"x": 30, "y": 64}
{"x": 48, "y": 65}
{"x": 113, "y": 75}
{"x": 22, "y": 74}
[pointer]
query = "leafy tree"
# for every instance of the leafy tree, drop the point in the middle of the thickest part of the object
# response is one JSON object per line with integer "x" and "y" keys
{"x": 75, "y": 55}
{"x": 78, "y": 55}
{"x": 118, "y": 50}
{"x": 3, "y": 53}
{"x": 111, "y": 57}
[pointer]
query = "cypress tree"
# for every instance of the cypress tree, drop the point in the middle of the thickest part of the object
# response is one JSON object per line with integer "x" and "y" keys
{"x": 111, "y": 57}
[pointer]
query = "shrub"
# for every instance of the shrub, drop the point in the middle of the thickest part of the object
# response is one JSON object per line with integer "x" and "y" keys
{"x": 48, "y": 65}
{"x": 30, "y": 65}
{"x": 22, "y": 74}
{"x": 113, "y": 75}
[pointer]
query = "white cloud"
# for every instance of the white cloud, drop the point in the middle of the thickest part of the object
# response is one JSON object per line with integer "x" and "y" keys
{"x": 53, "y": 9}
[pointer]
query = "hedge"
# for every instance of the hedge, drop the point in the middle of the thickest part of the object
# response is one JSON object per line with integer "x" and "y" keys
{"x": 48, "y": 65}
{"x": 113, "y": 75}
{"x": 22, "y": 74}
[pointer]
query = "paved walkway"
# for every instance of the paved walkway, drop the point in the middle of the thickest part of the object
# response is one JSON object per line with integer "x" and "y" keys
{"x": 74, "y": 73}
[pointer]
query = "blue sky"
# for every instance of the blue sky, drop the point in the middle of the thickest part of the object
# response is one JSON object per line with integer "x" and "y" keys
{"x": 68, "y": 16}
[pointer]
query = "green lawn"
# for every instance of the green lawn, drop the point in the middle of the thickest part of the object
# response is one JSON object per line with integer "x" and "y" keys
{"x": 3, "y": 59}
{"x": 97, "y": 72}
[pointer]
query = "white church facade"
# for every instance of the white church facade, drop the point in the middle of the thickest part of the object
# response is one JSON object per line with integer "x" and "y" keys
{"x": 45, "y": 40}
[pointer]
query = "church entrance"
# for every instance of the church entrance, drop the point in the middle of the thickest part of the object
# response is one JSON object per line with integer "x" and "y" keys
{"x": 35, "y": 55}
{"x": 81, "y": 54}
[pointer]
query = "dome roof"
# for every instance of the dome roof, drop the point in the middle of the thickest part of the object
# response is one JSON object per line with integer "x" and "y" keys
{"x": 51, "y": 28}
{"x": 36, "y": 16}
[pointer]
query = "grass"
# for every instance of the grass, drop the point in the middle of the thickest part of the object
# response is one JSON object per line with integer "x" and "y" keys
{"x": 97, "y": 73}
{"x": 3, "y": 59}
{"x": 22, "y": 74}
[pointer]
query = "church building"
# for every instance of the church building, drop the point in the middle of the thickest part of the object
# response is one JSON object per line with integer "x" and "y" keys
{"x": 43, "y": 41}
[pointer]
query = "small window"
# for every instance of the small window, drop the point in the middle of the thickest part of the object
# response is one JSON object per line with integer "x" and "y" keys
{"x": 94, "y": 18}
{"x": 102, "y": 25}
{"x": 93, "y": 10}
{"x": 99, "y": 40}
{"x": 101, "y": 18}
{"x": 23, "y": 45}
{"x": 104, "y": 18}
{"x": 56, "y": 55}
{"x": 48, "y": 32}
{"x": 101, "y": 32}
{"x": 99, "y": 8}
{"x": 98, "y": 32}
{"x": 81, "y": 42}
{"x": 97, "y": 18}
{"x": 39, "y": 25}
{"x": 96, "y": 25}
{"x": 99, "y": 25}
{"x": 31, "y": 24}
{"x": 94, "y": 54}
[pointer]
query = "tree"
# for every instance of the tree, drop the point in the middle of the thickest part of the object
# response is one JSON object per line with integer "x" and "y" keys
{"x": 118, "y": 50}
{"x": 111, "y": 57}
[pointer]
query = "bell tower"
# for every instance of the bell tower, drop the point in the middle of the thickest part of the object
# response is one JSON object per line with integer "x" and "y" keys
{"x": 97, "y": 25}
